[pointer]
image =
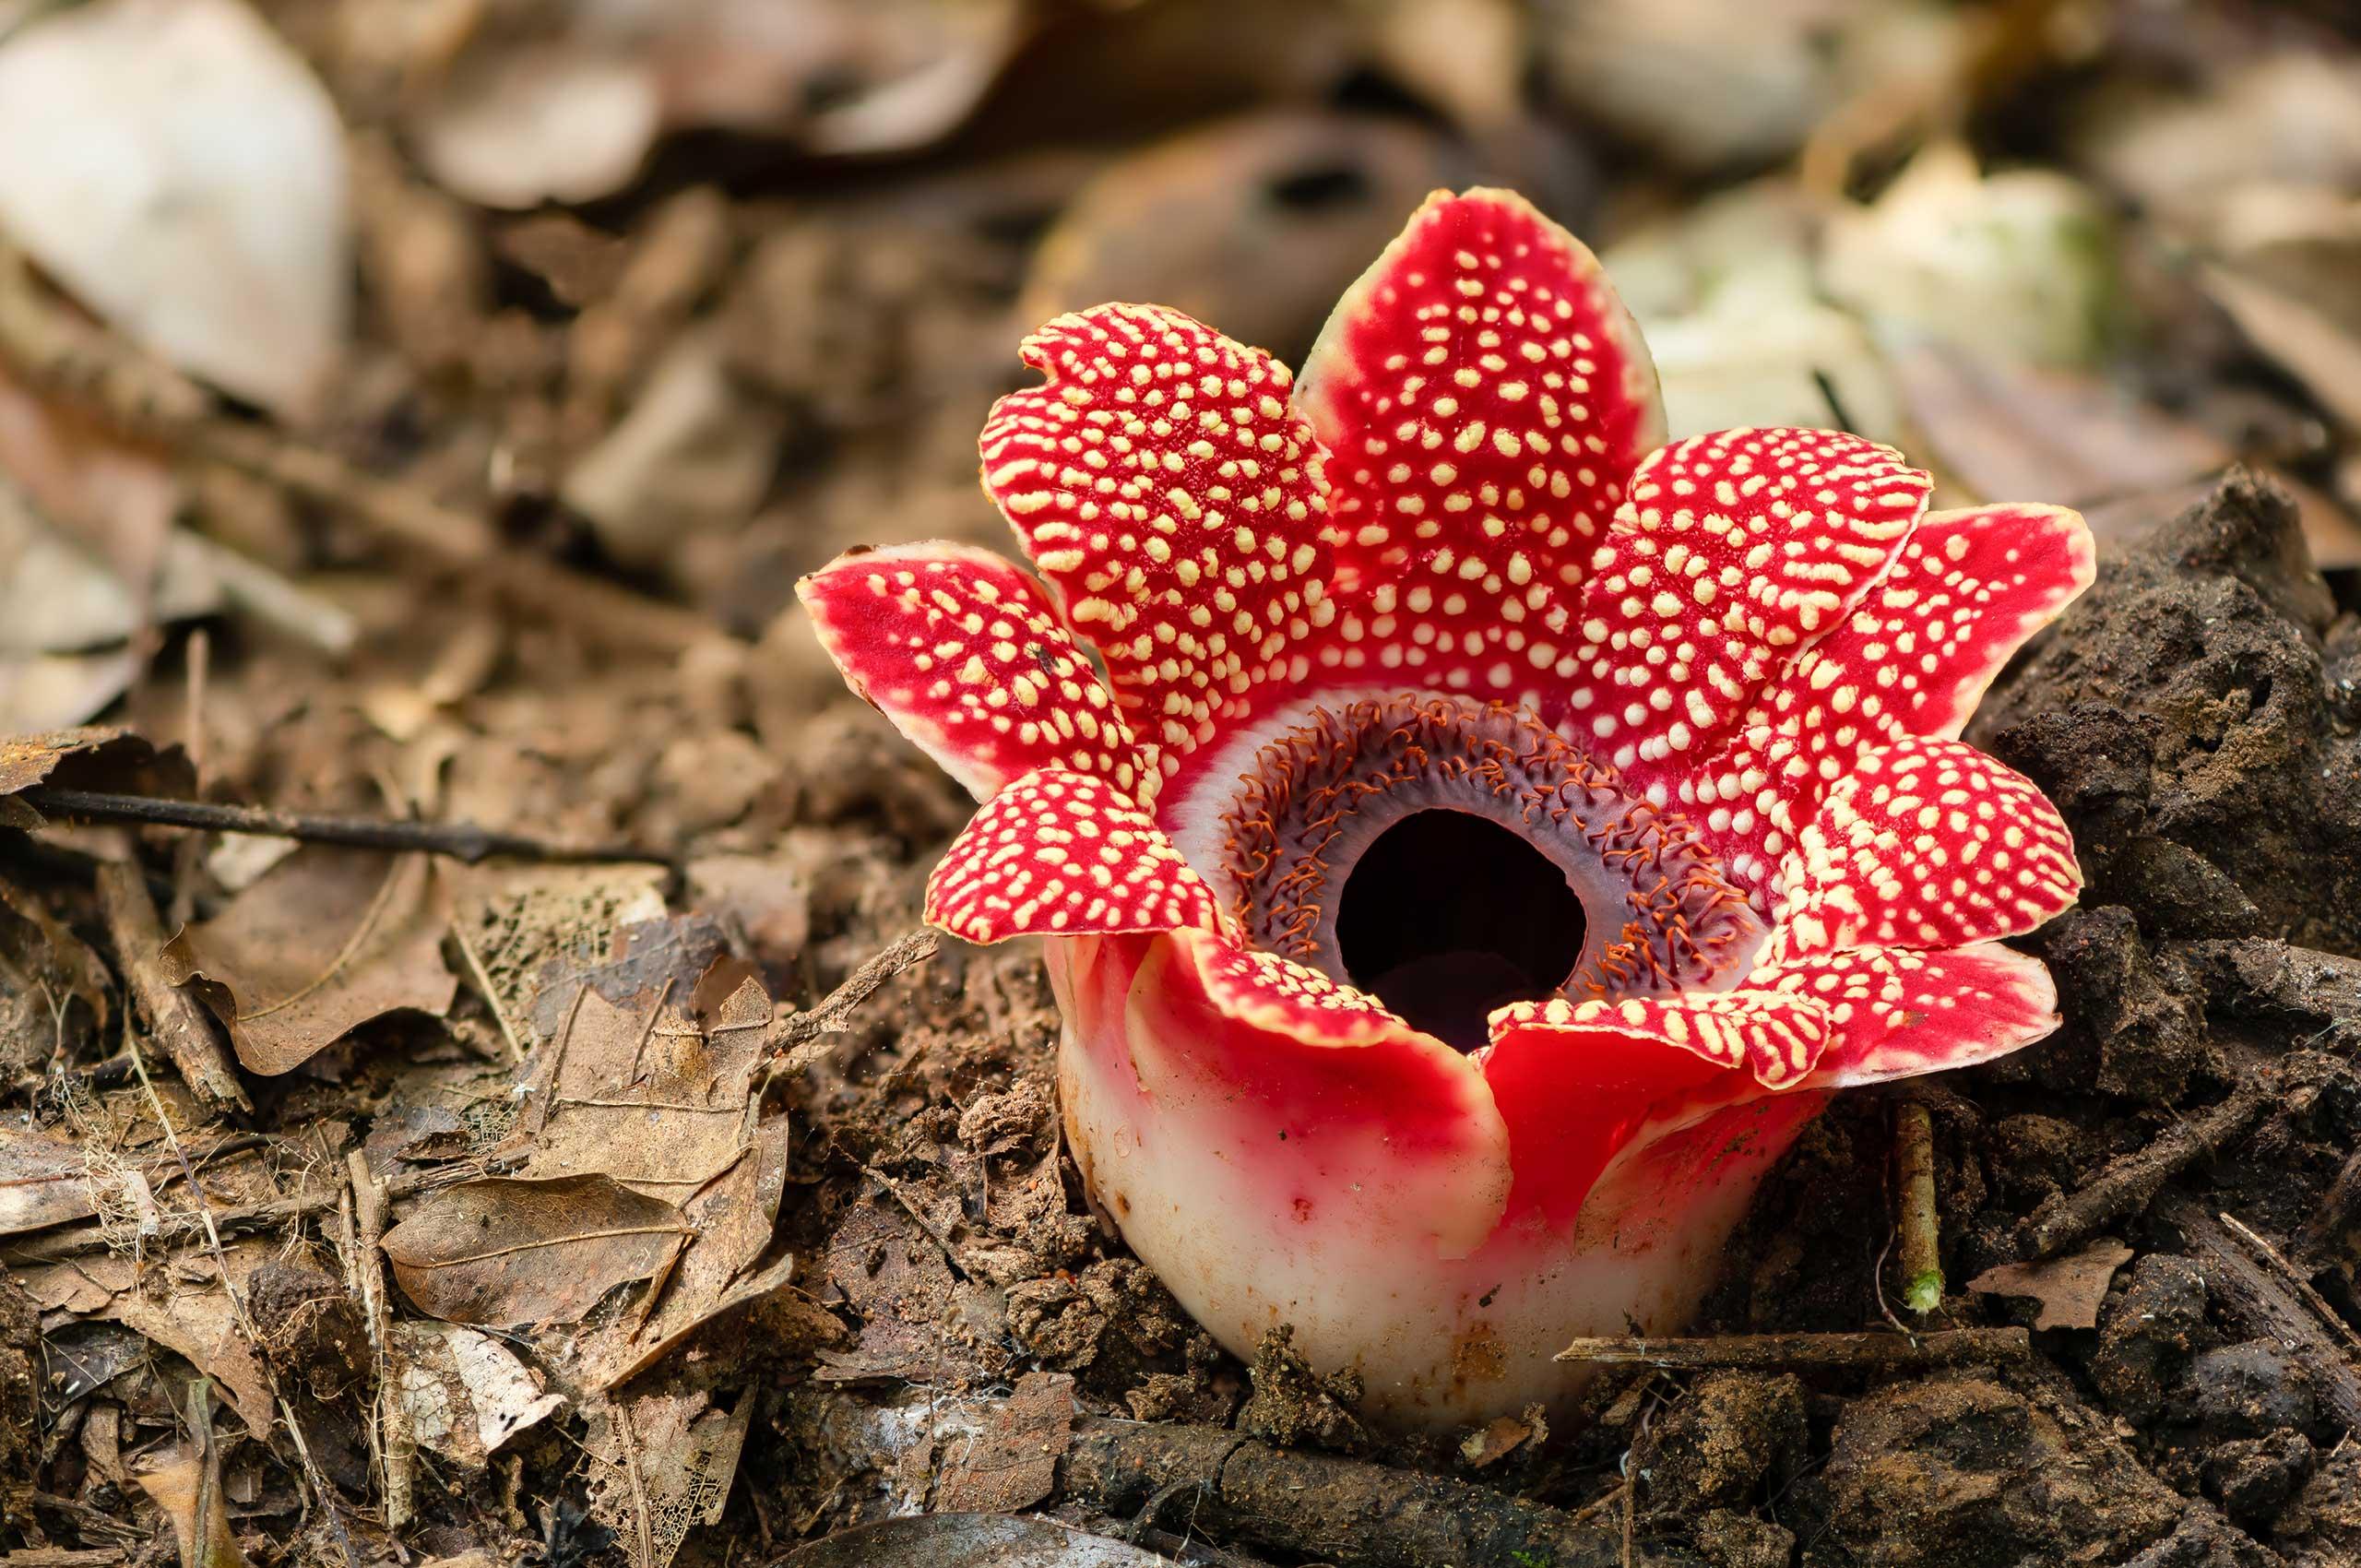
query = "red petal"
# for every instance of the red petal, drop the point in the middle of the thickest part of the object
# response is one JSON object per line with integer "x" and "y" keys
{"x": 1913, "y": 659}
{"x": 1775, "y": 1035}
{"x": 1901, "y": 1013}
{"x": 962, "y": 651}
{"x": 1736, "y": 552}
{"x": 1926, "y": 844}
{"x": 1063, "y": 853}
{"x": 1483, "y": 395}
{"x": 1578, "y": 1083}
{"x": 1312, "y": 1106}
{"x": 1161, "y": 484}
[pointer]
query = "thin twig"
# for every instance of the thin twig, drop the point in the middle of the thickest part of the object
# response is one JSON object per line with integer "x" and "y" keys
{"x": 1914, "y": 1160}
{"x": 484, "y": 984}
{"x": 796, "y": 1039}
{"x": 461, "y": 841}
{"x": 1953, "y": 1348}
{"x": 2129, "y": 1184}
{"x": 397, "y": 1442}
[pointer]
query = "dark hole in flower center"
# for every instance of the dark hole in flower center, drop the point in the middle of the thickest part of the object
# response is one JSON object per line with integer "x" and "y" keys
{"x": 1449, "y": 915}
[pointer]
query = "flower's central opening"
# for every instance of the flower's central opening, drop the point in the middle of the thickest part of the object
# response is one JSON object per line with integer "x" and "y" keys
{"x": 1450, "y": 856}
{"x": 1448, "y": 915}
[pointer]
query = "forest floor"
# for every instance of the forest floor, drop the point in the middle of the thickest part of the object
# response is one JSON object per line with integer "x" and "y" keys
{"x": 802, "y": 1253}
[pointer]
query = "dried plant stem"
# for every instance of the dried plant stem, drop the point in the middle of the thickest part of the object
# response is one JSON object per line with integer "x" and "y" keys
{"x": 796, "y": 1041}
{"x": 397, "y": 1444}
{"x": 1953, "y": 1348}
{"x": 461, "y": 841}
{"x": 175, "y": 1021}
{"x": 1914, "y": 1159}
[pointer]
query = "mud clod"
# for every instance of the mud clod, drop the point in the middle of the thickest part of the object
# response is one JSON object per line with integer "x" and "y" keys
{"x": 2148, "y": 1334}
{"x": 1293, "y": 1407}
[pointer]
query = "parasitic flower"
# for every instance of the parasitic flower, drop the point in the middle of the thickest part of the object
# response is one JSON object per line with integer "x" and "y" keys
{"x": 1494, "y": 834}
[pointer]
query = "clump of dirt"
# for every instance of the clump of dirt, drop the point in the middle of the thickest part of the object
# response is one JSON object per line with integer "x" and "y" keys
{"x": 1295, "y": 1407}
{"x": 2193, "y": 717}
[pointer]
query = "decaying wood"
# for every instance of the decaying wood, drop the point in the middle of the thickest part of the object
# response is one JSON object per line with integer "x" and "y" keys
{"x": 176, "y": 1020}
{"x": 1876, "y": 1350}
{"x": 2129, "y": 1184}
{"x": 1314, "y": 1506}
{"x": 2272, "y": 1300}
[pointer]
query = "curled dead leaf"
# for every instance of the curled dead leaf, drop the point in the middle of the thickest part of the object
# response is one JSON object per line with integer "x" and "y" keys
{"x": 325, "y": 941}
{"x": 466, "y": 1393}
{"x": 505, "y": 1250}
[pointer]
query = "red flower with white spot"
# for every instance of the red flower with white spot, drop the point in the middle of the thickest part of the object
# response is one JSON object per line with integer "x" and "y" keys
{"x": 1495, "y": 832}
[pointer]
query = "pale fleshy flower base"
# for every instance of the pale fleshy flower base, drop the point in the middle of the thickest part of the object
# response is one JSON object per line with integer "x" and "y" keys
{"x": 1395, "y": 1251}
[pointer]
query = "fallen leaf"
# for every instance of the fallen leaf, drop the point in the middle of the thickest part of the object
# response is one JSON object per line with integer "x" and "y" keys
{"x": 324, "y": 942}
{"x": 43, "y": 1180}
{"x": 505, "y": 1250}
{"x": 694, "y": 455}
{"x": 666, "y": 1462}
{"x": 179, "y": 170}
{"x": 521, "y": 925}
{"x": 181, "y": 1305}
{"x": 186, "y": 1486}
{"x": 2020, "y": 264}
{"x": 1012, "y": 1464}
{"x": 2069, "y": 1289}
{"x": 466, "y": 1394}
{"x": 100, "y": 758}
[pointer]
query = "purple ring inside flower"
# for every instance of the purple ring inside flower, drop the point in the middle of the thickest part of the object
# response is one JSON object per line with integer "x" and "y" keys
{"x": 1453, "y": 856}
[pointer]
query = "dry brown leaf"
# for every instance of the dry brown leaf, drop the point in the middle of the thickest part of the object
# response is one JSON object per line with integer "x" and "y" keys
{"x": 97, "y": 757}
{"x": 186, "y": 1486}
{"x": 325, "y": 942}
{"x": 1012, "y": 1463}
{"x": 666, "y": 1462}
{"x": 466, "y": 1393}
{"x": 505, "y": 1250}
{"x": 2069, "y": 1289}
{"x": 647, "y": 1098}
{"x": 43, "y": 1180}
{"x": 180, "y": 1305}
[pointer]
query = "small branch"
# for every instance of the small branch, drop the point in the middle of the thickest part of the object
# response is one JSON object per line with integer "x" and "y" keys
{"x": 1953, "y": 1348}
{"x": 1298, "y": 1504}
{"x": 796, "y": 1039}
{"x": 397, "y": 1443}
{"x": 175, "y": 1020}
{"x": 2129, "y": 1184}
{"x": 55, "y": 1245}
{"x": 460, "y": 841}
{"x": 1914, "y": 1160}
{"x": 2272, "y": 1300}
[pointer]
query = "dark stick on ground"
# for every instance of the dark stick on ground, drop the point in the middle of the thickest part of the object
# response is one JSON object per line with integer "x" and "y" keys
{"x": 460, "y": 841}
{"x": 2272, "y": 1300}
{"x": 1316, "y": 1506}
{"x": 796, "y": 1039}
{"x": 1876, "y": 1350}
{"x": 2129, "y": 1184}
